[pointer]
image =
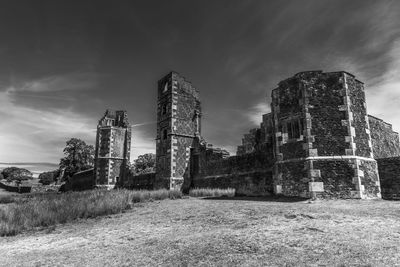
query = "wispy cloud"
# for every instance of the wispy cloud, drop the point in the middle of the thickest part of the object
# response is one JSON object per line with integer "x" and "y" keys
{"x": 60, "y": 82}
{"x": 38, "y": 135}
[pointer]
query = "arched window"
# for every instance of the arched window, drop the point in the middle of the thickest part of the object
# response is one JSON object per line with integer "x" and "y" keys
{"x": 164, "y": 109}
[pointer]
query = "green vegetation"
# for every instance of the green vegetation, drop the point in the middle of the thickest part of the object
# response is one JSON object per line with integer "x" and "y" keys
{"x": 212, "y": 192}
{"x": 42, "y": 210}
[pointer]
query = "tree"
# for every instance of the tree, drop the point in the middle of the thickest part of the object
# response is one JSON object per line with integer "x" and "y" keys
{"x": 78, "y": 157}
{"x": 16, "y": 174}
{"x": 145, "y": 163}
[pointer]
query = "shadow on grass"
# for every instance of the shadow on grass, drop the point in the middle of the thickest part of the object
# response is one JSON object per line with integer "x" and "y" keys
{"x": 259, "y": 198}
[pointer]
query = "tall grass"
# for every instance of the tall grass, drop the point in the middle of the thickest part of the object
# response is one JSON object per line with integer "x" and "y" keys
{"x": 212, "y": 192}
{"x": 42, "y": 210}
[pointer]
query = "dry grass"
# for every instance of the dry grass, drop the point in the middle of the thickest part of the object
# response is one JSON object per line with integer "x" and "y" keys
{"x": 42, "y": 210}
{"x": 212, "y": 192}
{"x": 220, "y": 232}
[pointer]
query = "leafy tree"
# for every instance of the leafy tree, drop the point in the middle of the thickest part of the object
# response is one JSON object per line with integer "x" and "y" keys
{"x": 145, "y": 163}
{"x": 16, "y": 174}
{"x": 78, "y": 157}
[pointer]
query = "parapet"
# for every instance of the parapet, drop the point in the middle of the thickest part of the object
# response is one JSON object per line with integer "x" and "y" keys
{"x": 117, "y": 118}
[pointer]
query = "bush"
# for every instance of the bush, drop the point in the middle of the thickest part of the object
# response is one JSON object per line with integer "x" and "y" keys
{"x": 7, "y": 199}
{"x": 212, "y": 192}
{"x": 47, "y": 178}
{"x": 42, "y": 210}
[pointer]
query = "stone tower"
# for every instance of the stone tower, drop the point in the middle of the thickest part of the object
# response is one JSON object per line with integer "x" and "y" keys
{"x": 113, "y": 142}
{"x": 178, "y": 124}
{"x": 322, "y": 137}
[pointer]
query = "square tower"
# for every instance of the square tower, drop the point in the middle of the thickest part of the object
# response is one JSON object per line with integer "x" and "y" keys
{"x": 178, "y": 124}
{"x": 112, "y": 153}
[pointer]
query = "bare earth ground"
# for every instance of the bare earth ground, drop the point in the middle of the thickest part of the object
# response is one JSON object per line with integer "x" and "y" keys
{"x": 220, "y": 232}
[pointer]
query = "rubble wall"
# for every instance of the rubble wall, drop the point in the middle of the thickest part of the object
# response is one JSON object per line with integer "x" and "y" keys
{"x": 385, "y": 141}
{"x": 140, "y": 182}
{"x": 249, "y": 174}
{"x": 389, "y": 175}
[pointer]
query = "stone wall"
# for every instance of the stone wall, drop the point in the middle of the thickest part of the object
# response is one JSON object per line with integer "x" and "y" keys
{"x": 141, "y": 181}
{"x": 385, "y": 141}
{"x": 80, "y": 181}
{"x": 389, "y": 175}
{"x": 249, "y": 174}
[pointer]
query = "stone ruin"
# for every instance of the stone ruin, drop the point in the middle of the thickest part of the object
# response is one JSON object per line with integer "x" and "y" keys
{"x": 317, "y": 141}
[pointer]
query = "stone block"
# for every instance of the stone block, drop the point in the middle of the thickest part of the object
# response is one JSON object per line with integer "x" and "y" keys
{"x": 278, "y": 189}
{"x": 311, "y": 139}
{"x": 316, "y": 186}
{"x": 315, "y": 173}
{"x": 352, "y": 131}
{"x": 360, "y": 173}
{"x": 307, "y": 146}
{"x": 350, "y": 116}
{"x": 355, "y": 194}
{"x": 313, "y": 152}
{"x": 308, "y": 123}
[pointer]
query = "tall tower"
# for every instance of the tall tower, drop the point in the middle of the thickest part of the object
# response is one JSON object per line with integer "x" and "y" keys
{"x": 178, "y": 124}
{"x": 322, "y": 137}
{"x": 113, "y": 142}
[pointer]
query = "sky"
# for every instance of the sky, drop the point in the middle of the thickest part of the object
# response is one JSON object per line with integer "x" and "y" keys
{"x": 63, "y": 63}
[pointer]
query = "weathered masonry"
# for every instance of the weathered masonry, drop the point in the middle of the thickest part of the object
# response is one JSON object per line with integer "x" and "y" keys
{"x": 318, "y": 141}
{"x": 112, "y": 153}
{"x": 178, "y": 124}
{"x": 323, "y": 143}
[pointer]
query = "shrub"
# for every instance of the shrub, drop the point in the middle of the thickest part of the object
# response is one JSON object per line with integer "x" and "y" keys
{"x": 7, "y": 199}
{"x": 212, "y": 192}
{"x": 42, "y": 210}
{"x": 47, "y": 178}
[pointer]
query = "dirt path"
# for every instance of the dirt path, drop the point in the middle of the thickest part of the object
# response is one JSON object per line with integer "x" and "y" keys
{"x": 219, "y": 232}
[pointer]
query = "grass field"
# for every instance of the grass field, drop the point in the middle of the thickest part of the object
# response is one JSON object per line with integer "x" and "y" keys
{"x": 30, "y": 211}
{"x": 222, "y": 232}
